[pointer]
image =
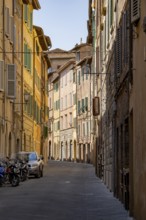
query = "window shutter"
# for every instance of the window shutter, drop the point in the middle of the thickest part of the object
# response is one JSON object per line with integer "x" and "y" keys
{"x": 25, "y": 55}
{"x": 96, "y": 107}
{"x": 12, "y": 29}
{"x": 1, "y": 75}
{"x": 82, "y": 105}
{"x": 119, "y": 51}
{"x": 7, "y": 21}
{"x": 127, "y": 37}
{"x": 14, "y": 40}
{"x": 79, "y": 77}
{"x": 74, "y": 122}
{"x": 28, "y": 59}
{"x": 135, "y": 10}
{"x": 78, "y": 107}
{"x": 86, "y": 103}
{"x": 31, "y": 21}
{"x": 25, "y": 13}
{"x": 11, "y": 80}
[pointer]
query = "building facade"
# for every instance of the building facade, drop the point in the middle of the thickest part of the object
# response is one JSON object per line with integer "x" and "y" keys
{"x": 67, "y": 112}
{"x": 21, "y": 95}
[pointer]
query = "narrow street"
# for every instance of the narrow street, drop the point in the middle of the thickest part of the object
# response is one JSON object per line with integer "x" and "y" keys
{"x": 68, "y": 191}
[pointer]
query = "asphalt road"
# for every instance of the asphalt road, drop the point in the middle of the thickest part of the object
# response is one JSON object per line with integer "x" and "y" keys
{"x": 68, "y": 191}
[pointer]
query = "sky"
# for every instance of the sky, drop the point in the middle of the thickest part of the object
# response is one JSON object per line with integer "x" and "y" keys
{"x": 64, "y": 21}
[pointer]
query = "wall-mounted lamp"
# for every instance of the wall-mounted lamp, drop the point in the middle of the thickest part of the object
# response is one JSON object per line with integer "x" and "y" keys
{"x": 26, "y": 99}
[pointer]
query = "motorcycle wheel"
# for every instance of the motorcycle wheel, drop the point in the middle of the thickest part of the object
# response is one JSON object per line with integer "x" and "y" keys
{"x": 1, "y": 181}
{"x": 15, "y": 181}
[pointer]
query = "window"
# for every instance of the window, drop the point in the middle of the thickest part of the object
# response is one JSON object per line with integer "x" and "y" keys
{"x": 66, "y": 101}
{"x": 78, "y": 107}
{"x": 74, "y": 98}
{"x": 83, "y": 105}
{"x": 61, "y": 122}
{"x": 7, "y": 22}
{"x": 1, "y": 75}
{"x": 70, "y": 119}
{"x": 74, "y": 77}
{"x": 78, "y": 56}
{"x": 79, "y": 77}
{"x": 11, "y": 80}
{"x": 79, "y": 130}
{"x": 37, "y": 48}
{"x": 83, "y": 129}
{"x": 50, "y": 103}
{"x": 86, "y": 103}
{"x": 135, "y": 10}
{"x": 27, "y": 57}
{"x": 65, "y": 121}
{"x": 61, "y": 82}
{"x": 71, "y": 76}
{"x": 87, "y": 126}
{"x": 83, "y": 73}
{"x": 65, "y": 79}
{"x": 61, "y": 104}
{"x": 70, "y": 95}
{"x": 25, "y": 13}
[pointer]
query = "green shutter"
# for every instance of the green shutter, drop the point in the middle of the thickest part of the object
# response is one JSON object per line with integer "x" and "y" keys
{"x": 79, "y": 77}
{"x": 78, "y": 107}
{"x": 86, "y": 103}
{"x": 31, "y": 21}
{"x": 25, "y": 13}
{"x": 25, "y": 55}
{"x": 82, "y": 105}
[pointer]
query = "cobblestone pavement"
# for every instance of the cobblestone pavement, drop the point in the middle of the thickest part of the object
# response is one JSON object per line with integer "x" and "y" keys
{"x": 68, "y": 191}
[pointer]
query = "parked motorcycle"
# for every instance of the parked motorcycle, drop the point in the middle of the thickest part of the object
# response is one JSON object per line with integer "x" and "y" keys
{"x": 13, "y": 173}
{"x": 23, "y": 166}
{"x": 2, "y": 173}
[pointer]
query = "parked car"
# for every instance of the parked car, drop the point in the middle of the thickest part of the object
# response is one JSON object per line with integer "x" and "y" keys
{"x": 35, "y": 162}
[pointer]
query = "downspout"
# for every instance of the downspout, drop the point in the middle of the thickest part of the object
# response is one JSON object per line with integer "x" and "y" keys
{"x": 131, "y": 189}
{"x": 3, "y": 52}
{"x": 22, "y": 86}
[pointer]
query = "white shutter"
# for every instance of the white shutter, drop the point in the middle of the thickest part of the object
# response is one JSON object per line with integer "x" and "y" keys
{"x": 1, "y": 75}
{"x": 11, "y": 81}
{"x": 135, "y": 10}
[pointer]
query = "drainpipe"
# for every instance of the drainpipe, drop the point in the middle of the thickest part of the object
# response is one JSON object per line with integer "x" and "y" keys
{"x": 3, "y": 52}
{"x": 22, "y": 86}
{"x": 131, "y": 190}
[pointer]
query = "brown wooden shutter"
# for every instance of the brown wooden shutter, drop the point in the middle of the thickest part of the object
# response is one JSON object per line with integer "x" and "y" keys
{"x": 135, "y": 10}
{"x": 96, "y": 107}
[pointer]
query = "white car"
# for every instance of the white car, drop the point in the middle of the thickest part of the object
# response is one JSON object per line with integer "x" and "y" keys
{"x": 35, "y": 162}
